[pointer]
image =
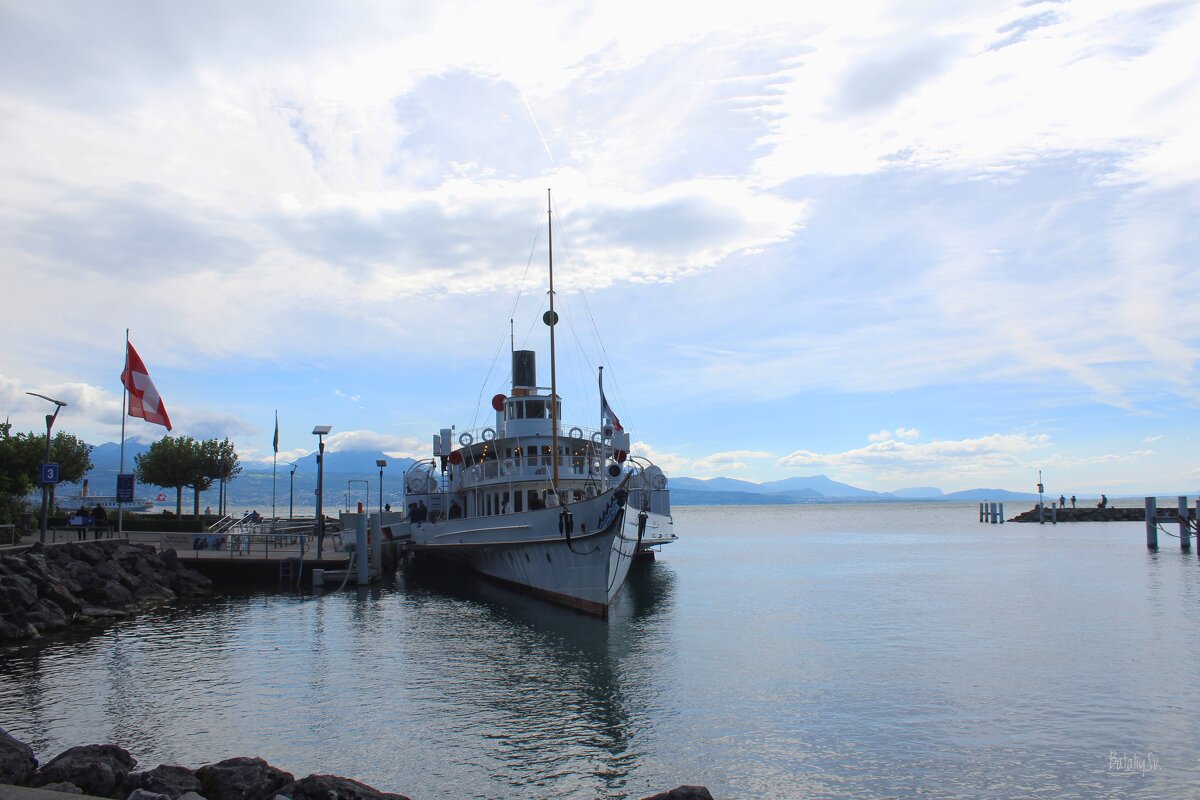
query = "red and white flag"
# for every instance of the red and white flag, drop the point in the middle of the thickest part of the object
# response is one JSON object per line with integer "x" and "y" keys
{"x": 606, "y": 411}
{"x": 144, "y": 401}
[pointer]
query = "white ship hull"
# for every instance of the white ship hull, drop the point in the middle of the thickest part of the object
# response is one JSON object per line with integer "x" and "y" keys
{"x": 527, "y": 550}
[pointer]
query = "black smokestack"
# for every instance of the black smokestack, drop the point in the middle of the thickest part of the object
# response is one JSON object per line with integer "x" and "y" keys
{"x": 524, "y": 368}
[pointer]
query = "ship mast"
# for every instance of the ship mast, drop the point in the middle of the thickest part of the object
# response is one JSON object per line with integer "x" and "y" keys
{"x": 551, "y": 320}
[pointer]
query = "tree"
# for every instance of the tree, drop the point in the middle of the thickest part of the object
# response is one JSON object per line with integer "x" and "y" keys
{"x": 170, "y": 463}
{"x": 182, "y": 461}
{"x": 15, "y": 482}
{"x": 227, "y": 469}
{"x": 21, "y": 457}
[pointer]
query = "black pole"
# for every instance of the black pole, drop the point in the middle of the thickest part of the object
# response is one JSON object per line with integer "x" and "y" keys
{"x": 320, "y": 491}
{"x": 46, "y": 486}
{"x": 291, "y": 493}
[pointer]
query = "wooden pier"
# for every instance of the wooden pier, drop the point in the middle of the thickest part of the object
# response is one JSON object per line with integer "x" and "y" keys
{"x": 1158, "y": 520}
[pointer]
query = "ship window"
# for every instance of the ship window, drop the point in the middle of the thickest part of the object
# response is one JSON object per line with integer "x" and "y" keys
{"x": 517, "y": 501}
{"x": 536, "y": 409}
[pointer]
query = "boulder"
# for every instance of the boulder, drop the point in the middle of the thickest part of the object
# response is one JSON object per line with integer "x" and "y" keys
{"x": 17, "y": 591}
{"x": 683, "y": 793}
{"x": 17, "y": 762}
{"x": 61, "y": 595}
{"x": 192, "y": 796}
{"x": 332, "y": 787}
{"x": 142, "y": 794}
{"x": 150, "y": 593}
{"x": 97, "y": 769}
{"x": 65, "y": 788}
{"x": 242, "y": 779}
{"x": 165, "y": 779}
{"x": 110, "y": 594}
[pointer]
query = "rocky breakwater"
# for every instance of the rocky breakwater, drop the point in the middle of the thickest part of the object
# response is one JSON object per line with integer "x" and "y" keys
{"x": 106, "y": 770}
{"x": 48, "y": 588}
{"x": 1107, "y": 514}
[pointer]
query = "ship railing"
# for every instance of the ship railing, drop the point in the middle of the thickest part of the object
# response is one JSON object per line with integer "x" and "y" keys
{"x": 258, "y": 541}
{"x": 476, "y": 435}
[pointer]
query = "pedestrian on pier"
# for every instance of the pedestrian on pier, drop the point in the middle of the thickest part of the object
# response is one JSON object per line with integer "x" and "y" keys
{"x": 1072, "y": 502}
{"x": 1062, "y": 501}
{"x": 1103, "y": 502}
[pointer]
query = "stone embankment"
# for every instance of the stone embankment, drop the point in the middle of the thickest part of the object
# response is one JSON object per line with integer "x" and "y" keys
{"x": 49, "y": 588}
{"x": 1108, "y": 514}
{"x": 106, "y": 770}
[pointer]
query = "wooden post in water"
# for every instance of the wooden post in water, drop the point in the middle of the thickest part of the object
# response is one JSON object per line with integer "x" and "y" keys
{"x": 1185, "y": 527}
{"x": 1151, "y": 524}
{"x": 1002, "y": 513}
{"x": 982, "y": 512}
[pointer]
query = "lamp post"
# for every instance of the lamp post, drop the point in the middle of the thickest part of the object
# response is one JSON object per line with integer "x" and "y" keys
{"x": 292, "y": 490}
{"x": 381, "y": 463}
{"x": 58, "y": 406}
{"x": 320, "y": 431}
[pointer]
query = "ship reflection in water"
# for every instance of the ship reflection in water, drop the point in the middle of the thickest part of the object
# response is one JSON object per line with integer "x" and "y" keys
{"x": 438, "y": 684}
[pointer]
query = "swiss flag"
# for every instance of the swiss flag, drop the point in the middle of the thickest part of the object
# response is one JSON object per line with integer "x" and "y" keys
{"x": 144, "y": 401}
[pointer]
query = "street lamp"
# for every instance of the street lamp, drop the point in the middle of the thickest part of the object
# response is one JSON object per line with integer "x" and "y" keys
{"x": 320, "y": 431}
{"x": 58, "y": 406}
{"x": 292, "y": 489}
{"x": 381, "y": 463}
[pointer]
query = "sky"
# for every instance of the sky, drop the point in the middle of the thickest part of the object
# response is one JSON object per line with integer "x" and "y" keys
{"x": 901, "y": 244}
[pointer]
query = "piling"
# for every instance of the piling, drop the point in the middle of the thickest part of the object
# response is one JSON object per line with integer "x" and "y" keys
{"x": 1151, "y": 523}
{"x": 360, "y": 548}
{"x": 1002, "y": 513}
{"x": 377, "y": 542}
{"x": 1185, "y": 527}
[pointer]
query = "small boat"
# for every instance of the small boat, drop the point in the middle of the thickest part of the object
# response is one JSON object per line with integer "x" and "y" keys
{"x": 558, "y": 513}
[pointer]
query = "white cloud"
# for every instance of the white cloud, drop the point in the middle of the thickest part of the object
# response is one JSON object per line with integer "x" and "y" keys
{"x": 389, "y": 444}
{"x": 702, "y": 467}
{"x": 978, "y": 455}
{"x": 907, "y": 433}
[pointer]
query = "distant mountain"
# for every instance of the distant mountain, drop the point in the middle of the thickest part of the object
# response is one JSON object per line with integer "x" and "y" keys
{"x": 109, "y": 454}
{"x": 989, "y": 494}
{"x": 714, "y": 485}
{"x": 336, "y": 462}
{"x": 820, "y": 484}
{"x": 811, "y": 486}
{"x": 696, "y": 497}
{"x": 920, "y": 493}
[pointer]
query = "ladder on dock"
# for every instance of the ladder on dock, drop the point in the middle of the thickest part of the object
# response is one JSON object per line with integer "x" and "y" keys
{"x": 289, "y": 570}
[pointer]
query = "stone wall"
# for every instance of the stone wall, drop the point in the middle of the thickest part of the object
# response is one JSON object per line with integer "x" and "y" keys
{"x": 47, "y": 588}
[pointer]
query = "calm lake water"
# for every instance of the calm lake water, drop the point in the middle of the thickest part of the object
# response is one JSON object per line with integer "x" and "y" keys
{"x": 817, "y": 651}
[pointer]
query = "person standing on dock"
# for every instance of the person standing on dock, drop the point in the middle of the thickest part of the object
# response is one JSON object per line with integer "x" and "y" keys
{"x": 1103, "y": 502}
{"x": 1062, "y": 501}
{"x": 1072, "y": 502}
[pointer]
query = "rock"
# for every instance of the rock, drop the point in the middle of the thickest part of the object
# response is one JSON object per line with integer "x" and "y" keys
{"x": 165, "y": 779}
{"x": 17, "y": 762}
{"x": 17, "y": 591}
{"x": 192, "y": 796}
{"x": 151, "y": 593}
{"x": 242, "y": 779}
{"x": 64, "y": 787}
{"x": 333, "y": 787}
{"x": 97, "y": 769}
{"x": 59, "y": 594}
{"x": 683, "y": 793}
{"x": 142, "y": 794}
{"x": 110, "y": 594}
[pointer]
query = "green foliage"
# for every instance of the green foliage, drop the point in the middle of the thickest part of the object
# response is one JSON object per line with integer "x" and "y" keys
{"x": 21, "y": 457}
{"x": 182, "y": 461}
{"x": 15, "y": 482}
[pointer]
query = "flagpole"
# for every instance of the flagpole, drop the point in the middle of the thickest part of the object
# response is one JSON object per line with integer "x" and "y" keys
{"x": 274, "y": 466}
{"x": 600, "y": 455}
{"x": 121, "y": 470}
